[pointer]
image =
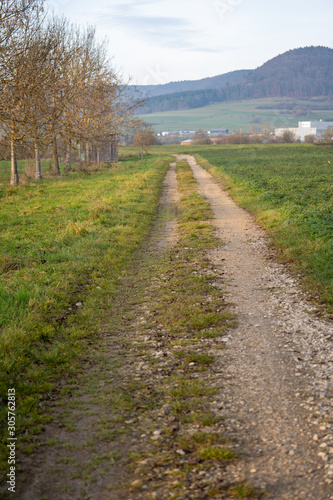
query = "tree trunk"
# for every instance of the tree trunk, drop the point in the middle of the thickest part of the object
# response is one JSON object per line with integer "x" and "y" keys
{"x": 68, "y": 155}
{"x": 87, "y": 152}
{"x": 14, "y": 177}
{"x": 56, "y": 168}
{"x": 98, "y": 154}
{"x": 37, "y": 162}
{"x": 114, "y": 148}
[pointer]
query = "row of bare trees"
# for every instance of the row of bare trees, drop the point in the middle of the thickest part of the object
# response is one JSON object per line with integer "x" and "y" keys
{"x": 56, "y": 83}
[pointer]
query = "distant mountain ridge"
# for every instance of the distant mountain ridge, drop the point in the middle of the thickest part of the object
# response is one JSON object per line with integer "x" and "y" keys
{"x": 300, "y": 73}
{"x": 212, "y": 82}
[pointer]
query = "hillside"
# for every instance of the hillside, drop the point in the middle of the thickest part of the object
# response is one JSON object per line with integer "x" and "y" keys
{"x": 245, "y": 114}
{"x": 213, "y": 82}
{"x": 305, "y": 72}
{"x": 299, "y": 73}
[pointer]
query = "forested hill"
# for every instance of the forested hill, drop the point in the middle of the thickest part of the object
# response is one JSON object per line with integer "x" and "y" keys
{"x": 305, "y": 72}
{"x": 212, "y": 82}
{"x": 299, "y": 73}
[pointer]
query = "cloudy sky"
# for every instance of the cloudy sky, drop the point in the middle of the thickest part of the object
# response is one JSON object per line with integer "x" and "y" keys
{"x": 158, "y": 41}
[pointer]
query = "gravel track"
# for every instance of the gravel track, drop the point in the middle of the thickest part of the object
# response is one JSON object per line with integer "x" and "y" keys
{"x": 277, "y": 395}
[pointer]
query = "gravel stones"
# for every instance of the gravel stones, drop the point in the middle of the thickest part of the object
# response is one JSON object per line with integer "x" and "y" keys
{"x": 278, "y": 401}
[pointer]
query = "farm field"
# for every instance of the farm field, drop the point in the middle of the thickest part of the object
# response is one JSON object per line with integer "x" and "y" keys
{"x": 290, "y": 189}
{"x": 241, "y": 114}
{"x": 64, "y": 243}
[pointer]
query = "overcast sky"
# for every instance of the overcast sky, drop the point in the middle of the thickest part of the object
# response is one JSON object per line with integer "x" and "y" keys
{"x": 158, "y": 41}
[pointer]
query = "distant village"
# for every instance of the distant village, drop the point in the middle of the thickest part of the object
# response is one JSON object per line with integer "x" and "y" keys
{"x": 183, "y": 135}
{"x": 306, "y": 131}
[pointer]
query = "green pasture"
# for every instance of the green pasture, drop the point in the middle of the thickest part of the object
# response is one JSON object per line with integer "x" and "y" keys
{"x": 241, "y": 114}
{"x": 290, "y": 190}
{"x": 64, "y": 243}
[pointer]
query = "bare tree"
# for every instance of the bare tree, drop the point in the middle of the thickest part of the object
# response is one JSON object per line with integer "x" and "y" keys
{"x": 288, "y": 136}
{"x": 327, "y": 135}
{"x": 143, "y": 136}
{"x": 14, "y": 14}
{"x": 56, "y": 82}
{"x": 61, "y": 90}
{"x": 310, "y": 138}
{"x": 98, "y": 105}
{"x": 48, "y": 46}
{"x": 200, "y": 137}
{"x": 18, "y": 80}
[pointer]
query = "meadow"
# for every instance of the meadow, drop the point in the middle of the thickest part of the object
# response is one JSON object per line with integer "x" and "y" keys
{"x": 270, "y": 112}
{"x": 64, "y": 244}
{"x": 289, "y": 188}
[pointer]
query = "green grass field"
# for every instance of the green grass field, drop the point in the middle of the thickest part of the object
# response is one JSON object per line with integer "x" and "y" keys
{"x": 63, "y": 245}
{"x": 236, "y": 115}
{"x": 290, "y": 189}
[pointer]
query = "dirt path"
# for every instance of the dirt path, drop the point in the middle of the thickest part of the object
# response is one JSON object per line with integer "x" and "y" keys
{"x": 153, "y": 396}
{"x": 278, "y": 392}
{"x": 169, "y": 199}
{"x": 120, "y": 429}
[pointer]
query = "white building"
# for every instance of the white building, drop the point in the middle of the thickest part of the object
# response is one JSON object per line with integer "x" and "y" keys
{"x": 218, "y": 131}
{"x": 177, "y": 132}
{"x": 306, "y": 128}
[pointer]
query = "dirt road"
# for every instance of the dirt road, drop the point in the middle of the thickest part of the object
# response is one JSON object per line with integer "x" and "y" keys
{"x": 278, "y": 395}
{"x": 132, "y": 429}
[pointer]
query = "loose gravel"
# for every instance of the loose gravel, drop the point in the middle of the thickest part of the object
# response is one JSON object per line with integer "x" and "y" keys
{"x": 277, "y": 370}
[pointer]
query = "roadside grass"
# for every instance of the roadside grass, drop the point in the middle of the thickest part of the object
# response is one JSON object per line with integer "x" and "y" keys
{"x": 200, "y": 359}
{"x": 64, "y": 244}
{"x": 207, "y": 445}
{"x": 289, "y": 188}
